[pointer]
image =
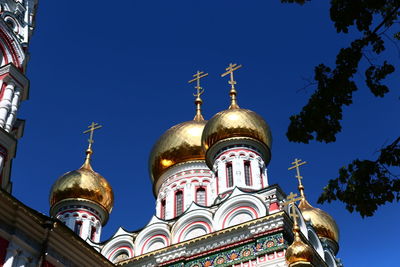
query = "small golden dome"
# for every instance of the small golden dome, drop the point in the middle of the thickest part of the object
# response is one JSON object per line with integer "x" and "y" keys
{"x": 323, "y": 223}
{"x": 83, "y": 183}
{"x": 298, "y": 251}
{"x": 181, "y": 143}
{"x": 237, "y": 123}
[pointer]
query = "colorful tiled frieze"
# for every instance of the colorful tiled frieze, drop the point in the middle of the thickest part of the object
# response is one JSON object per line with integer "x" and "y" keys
{"x": 243, "y": 253}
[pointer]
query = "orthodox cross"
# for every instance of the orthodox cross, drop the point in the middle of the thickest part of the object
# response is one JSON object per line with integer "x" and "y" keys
{"x": 296, "y": 164}
{"x": 92, "y": 127}
{"x": 197, "y": 77}
{"x": 291, "y": 199}
{"x": 229, "y": 70}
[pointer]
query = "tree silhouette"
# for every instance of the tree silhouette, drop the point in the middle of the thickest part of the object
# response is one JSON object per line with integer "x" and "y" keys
{"x": 363, "y": 185}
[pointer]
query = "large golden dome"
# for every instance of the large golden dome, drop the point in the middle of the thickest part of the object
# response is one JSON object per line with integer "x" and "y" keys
{"x": 323, "y": 223}
{"x": 237, "y": 123}
{"x": 83, "y": 184}
{"x": 180, "y": 143}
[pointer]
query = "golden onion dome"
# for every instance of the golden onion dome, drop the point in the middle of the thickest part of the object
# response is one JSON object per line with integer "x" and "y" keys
{"x": 298, "y": 251}
{"x": 83, "y": 184}
{"x": 324, "y": 225}
{"x": 180, "y": 143}
{"x": 237, "y": 124}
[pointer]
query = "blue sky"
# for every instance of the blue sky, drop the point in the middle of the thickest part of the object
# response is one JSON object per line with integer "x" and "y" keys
{"x": 126, "y": 64}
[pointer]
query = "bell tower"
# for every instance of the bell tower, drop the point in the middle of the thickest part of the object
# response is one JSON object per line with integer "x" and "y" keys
{"x": 16, "y": 27}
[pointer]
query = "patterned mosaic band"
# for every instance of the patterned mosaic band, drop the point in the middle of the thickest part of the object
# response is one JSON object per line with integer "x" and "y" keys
{"x": 243, "y": 253}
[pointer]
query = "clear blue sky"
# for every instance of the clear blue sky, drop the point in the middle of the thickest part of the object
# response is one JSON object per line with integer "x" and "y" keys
{"x": 125, "y": 64}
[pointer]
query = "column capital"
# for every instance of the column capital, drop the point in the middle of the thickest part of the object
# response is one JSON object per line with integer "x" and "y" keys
{"x": 9, "y": 73}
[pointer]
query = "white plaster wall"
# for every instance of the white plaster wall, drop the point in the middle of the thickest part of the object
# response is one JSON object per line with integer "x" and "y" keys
{"x": 187, "y": 183}
{"x": 237, "y": 157}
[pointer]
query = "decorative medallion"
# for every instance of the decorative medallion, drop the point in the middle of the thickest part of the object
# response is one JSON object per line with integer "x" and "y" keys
{"x": 220, "y": 260}
{"x": 270, "y": 244}
{"x": 246, "y": 252}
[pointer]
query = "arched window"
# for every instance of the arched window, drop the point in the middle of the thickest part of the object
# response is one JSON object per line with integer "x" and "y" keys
{"x": 201, "y": 196}
{"x": 162, "y": 209}
{"x": 247, "y": 173}
{"x": 92, "y": 233}
{"x": 229, "y": 175}
{"x": 77, "y": 228}
{"x": 178, "y": 203}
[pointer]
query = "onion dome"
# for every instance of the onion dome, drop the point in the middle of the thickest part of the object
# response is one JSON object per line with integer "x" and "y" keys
{"x": 324, "y": 225}
{"x": 298, "y": 251}
{"x": 83, "y": 184}
{"x": 179, "y": 144}
{"x": 236, "y": 124}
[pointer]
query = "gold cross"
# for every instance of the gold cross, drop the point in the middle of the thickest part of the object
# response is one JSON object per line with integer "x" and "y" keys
{"x": 197, "y": 77}
{"x": 291, "y": 199}
{"x": 296, "y": 164}
{"x": 92, "y": 127}
{"x": 293, "y": 214}
{"x": 229, "y": 70}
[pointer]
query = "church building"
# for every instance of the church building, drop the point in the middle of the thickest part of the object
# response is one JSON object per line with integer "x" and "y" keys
{"x": 216, "y": 204}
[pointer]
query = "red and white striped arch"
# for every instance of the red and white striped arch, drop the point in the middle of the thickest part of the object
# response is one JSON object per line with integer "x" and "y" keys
{"x": 241, "y": 207}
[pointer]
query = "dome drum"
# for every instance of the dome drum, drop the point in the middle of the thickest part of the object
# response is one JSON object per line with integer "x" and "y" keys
{"x": 72, "y": 203}
{"x": 259, "y": 147}
{"x": 184, "y": 166}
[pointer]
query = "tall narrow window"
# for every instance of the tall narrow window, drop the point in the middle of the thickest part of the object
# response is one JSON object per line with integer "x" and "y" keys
{"x": 247, "y": 173}
{"x": 229, "y": 174}
{"x": 201, "y": 196}
{"x": 77, "y": 228}
{"x": 92, "y": 232}
{"x": 162, "y": 209}
{"x": 178, "y": 203}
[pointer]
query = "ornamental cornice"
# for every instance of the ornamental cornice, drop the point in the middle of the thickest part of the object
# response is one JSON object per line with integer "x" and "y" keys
{"x": 231, "y": 236}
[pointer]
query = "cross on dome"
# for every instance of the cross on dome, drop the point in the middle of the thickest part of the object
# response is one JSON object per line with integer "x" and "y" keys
{"x": 92, "y": 127}
{"x": 197, "y": 76}
{"x": 296, "y": 164}
{"x": 229, "y": 70}
{"x": 291, "y": 199}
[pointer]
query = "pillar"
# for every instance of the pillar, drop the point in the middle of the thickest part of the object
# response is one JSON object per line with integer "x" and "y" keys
{"x": 13, "y": 110}
{"x": 5, "y": 103}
